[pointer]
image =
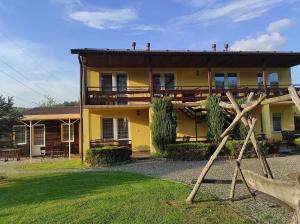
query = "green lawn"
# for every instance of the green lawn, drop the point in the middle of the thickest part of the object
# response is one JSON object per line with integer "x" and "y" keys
{"x": 55, "y": 165}
{"x": 105, "y": 197}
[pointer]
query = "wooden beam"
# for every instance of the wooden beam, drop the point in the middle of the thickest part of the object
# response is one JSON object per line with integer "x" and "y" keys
{"x": 265, "y": 79}
{"x": 205, "y": 170}
{"x": 276, "y": 99}
{"x": 294, "y": 96}
{"x": 285, "y": 191}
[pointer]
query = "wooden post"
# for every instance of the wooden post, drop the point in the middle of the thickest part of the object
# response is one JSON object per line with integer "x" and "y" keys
{"x": 69, "y": 124}
{"x": 30, "y": 141}
{"x": 265, "y": 79}
{"x": 239, "y": 159}
{"x": 205, "y": 170}
{"x": 209, "y": 79}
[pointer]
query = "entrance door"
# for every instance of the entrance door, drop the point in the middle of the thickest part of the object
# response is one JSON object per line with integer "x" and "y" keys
{"x": 38, "y": 139}
{"x": 121, "y": 86}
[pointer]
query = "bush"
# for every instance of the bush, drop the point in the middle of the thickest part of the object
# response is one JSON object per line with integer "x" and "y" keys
{"x": 233, "y": 148}
{"x": 297, "y": 142}
{"x": 188, "y": 151}
{"x": 215, "y": 119}
{"x": 164, "y": 123}
{"x": 107, "y": 155}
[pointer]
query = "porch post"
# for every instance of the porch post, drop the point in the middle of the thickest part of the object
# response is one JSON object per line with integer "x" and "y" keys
{"x": 209, "y": 79}
{"x": 265, "y": 78}
{"x": 30, "y": 139}
{"x": 196, "y": 131}
{"x": 69, "y": 139}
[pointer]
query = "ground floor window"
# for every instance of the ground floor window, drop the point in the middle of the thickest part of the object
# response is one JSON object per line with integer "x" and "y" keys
{"x": 115, "y": 128}
{"x": 65, "y": 133}
{"x": 39, "y": 135}
{"x": 20, "y": 134}
{"x": 276, "y": 121}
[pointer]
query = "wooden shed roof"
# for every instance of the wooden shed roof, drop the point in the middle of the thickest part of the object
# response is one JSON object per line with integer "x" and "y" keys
{"x": 51, "y": 113}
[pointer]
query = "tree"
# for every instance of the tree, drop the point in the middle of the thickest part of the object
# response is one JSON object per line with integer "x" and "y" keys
{"x": 50, "y": 102}
{"x": 215, "y": 119}
{"x": 164, "y": 123}
{"x": 8, "y": 115}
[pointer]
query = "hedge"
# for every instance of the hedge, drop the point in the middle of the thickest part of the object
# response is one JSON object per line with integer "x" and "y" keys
{"x": 187, "y": 151}
{"x": 200, "y": 151}
{"x": 297, "y": 142}
{"x": 107, "y": 155}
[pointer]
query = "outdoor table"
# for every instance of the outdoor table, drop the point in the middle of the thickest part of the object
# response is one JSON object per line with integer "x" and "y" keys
{"x": 11, "y": 152}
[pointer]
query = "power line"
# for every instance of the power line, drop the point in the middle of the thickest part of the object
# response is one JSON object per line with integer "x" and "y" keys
{"x": 21, "y": 74}
{"x": 20, "y": 82}
{"x": 28, "y": 55}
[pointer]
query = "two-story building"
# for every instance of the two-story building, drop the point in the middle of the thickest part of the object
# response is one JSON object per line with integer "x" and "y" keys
{"x": 117, "y": 87}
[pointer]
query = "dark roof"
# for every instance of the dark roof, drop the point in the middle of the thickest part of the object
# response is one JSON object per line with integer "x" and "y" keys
{"x": 177, "y": 58}
{"x": 52, "y": 110}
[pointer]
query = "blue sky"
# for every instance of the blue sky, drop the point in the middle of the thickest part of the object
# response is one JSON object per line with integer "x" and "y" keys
{"x": 36, "y": 35}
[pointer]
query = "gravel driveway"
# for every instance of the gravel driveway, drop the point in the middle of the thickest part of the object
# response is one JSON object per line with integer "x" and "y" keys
{"x": 263, "y": 210}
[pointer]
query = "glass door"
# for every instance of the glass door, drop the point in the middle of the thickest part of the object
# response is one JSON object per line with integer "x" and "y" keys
{"x": 106, "y": 82}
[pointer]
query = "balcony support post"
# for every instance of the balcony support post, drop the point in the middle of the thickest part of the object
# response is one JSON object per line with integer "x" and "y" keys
{"x": 209, "y": 78}
{"x": 265, "y": 78}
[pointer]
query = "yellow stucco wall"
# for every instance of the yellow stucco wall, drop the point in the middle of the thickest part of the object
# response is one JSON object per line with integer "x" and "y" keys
{"x": 139, "y": 124}
{"x": 139, "y": 130}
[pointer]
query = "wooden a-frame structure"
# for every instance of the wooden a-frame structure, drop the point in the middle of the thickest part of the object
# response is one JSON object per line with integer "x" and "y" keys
{"x": 282, "y": 190}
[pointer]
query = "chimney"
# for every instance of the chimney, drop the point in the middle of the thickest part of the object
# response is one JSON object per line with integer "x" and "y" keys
{"x": 214, "y": 47}
{"x": 226, "y": 46}
{"x": 133, "y": 45}
{"x": 148, "y": 46}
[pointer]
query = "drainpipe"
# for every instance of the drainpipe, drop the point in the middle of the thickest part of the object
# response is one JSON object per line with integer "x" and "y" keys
{"x": 81, "y": 120}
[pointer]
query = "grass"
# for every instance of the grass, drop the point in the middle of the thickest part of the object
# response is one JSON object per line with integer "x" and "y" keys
{"x": 105, "y": 197}
{"x": 55, "y": 165}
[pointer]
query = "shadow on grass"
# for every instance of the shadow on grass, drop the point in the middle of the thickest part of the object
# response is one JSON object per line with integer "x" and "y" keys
{"x": 43, "y": 188}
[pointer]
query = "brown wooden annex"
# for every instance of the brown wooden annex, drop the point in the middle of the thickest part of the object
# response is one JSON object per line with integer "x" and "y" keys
{"x": 48, "y": 130}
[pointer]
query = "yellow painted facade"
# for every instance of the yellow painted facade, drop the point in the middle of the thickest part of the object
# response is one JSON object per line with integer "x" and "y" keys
{"x": 140, "y": 118}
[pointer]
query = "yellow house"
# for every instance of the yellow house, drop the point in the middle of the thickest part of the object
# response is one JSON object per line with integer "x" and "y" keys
{"x": 117, "y": 87}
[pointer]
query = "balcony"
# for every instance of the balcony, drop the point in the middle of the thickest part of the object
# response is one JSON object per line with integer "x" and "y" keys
{"x": 180, "y": 94}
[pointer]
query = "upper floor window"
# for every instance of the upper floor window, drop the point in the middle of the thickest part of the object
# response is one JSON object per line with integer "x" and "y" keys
{"x": 232, "y": 80}
{"x": 220, "y": 80}
{"x": 260, "y": 81}
{"x": 273, "y": 79}
{"x": 163, "y": 81}
{"x": 113, "y": 81}
{"x": 20, "y": 133}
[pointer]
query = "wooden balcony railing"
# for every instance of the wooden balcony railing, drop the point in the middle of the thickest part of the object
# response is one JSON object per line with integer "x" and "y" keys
{"x": 109, "y": 142}
{"x": 99, "y": 96}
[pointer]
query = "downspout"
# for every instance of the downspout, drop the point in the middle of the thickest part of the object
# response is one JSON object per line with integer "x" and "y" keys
{"x": 81, "y": 119}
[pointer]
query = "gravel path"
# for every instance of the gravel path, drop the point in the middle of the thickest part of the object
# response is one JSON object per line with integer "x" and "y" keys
{"x": 263, "y": 210}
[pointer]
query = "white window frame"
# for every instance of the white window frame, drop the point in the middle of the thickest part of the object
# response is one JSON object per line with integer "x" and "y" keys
{"x": 162, "y": 75}
{"x": 39, "y": 125}
{"x": 272, "y": 121}
{"x": 62, "y": 133}
{"x": 226, "y": 73}
{"x": 115, "y": 127}
{"x": 114, "y": 78}
{"x": 22, "y": 143}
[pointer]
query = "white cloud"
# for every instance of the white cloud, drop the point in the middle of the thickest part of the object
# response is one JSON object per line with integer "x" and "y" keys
{"x": 44, "y": 74}
{"x": 147, "y": 28}
{"x": 105, "y": 18}
{"x": 278, "y": 25}
{"x": 199, "y": 3}
{"x": 235, "y": 10}
{"x": 264, "y": 42}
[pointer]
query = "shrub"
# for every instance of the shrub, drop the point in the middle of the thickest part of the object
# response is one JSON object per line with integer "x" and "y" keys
{"x": 107, "y": 155}
{"x": 215, "y": 119}
{"x": 159, "y": 155}
{"x": 297, "y": 142}
{"x": 233, "y": 148}
{"x": 164, "y": 123}
{"x": 187, "y": 151}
